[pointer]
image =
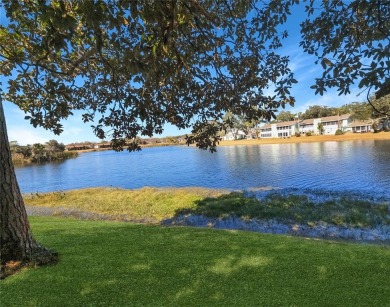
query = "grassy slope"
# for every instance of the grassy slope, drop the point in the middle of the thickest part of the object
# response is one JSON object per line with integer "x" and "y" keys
{"x": 122, "y": 264}
{"x": 150, "y": 204}
{"x": 155, "y": 205}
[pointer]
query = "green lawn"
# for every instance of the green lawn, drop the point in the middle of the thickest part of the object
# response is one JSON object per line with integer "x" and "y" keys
{"x": 123, "y": 264}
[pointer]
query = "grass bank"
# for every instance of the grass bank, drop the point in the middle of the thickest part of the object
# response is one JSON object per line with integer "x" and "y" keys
{"x": 311, "y": 139}
{"x": 19, "y": 159}
{"x": 156, "y": 205}
{"x": 147, "y": 204}
{"x": 123, "y": 264}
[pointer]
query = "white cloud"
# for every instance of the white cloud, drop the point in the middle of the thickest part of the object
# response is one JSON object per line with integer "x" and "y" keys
{"x": 26, "y": 136}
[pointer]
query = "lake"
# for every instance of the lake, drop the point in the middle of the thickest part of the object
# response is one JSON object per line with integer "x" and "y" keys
{"x": 362, "y": 166}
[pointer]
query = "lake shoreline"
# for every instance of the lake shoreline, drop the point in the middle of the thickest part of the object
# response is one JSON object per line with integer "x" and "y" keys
{"x": 310, "y": 139}
{"x": 374, "y": 235}
{"x": 316, "y": 214}
{"x": 302, "y": 139}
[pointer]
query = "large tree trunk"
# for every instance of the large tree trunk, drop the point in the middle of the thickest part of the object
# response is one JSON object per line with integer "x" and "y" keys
{"x": 17, "y": 244}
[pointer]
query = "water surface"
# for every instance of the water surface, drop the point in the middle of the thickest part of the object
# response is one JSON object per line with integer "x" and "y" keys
{"x": 362, "y": 166}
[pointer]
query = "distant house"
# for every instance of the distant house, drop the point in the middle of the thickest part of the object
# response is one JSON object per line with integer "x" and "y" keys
{"x": 279, "y": 130}
{"x": 103, "y": 145}
{"x": 234, "y": 134}
{"x": 332, "y": 123}
{"x": 78, "y": 146}
{"x": 266, "y": 131}
{"x": 309, "y": 125}
{"x": 360, "y": 126}
{"x": 286, "y": 129}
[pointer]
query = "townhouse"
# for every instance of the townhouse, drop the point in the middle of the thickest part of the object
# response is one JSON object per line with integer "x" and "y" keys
{"x": 330, "y": 124}
{"x": 360, "y": 126}
{"x": 279, "y": 130}
{"x": 333, "y": 123}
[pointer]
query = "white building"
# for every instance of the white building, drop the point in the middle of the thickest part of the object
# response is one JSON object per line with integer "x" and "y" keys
{"x": 360, "y": 127}
{"x": 309, "y": 125}
{"x": 286, "y": 129}
{"x": 279, "y": 130}
{"x": 332, "y": 123}
{"x": 234, "y": 134}
{"x": 266, "y": 131}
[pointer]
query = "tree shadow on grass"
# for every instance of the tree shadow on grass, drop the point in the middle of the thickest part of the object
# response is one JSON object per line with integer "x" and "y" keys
{"x": 291, "y": 209}
{"x": 119, "y": 264}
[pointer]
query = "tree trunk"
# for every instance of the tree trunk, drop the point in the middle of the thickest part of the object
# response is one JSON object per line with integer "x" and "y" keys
{"x": 17, "y": 244}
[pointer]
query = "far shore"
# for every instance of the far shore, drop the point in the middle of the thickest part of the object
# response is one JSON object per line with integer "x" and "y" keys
{"x": 293, "y": 139}
{"x": 311, "y": 139}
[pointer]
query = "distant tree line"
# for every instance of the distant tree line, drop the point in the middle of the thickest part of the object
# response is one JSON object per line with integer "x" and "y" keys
{"x": 37, "y": 153}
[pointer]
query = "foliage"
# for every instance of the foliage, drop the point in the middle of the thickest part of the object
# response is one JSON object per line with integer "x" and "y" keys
{"x": 359, "y": 111}
{"x": 51, "y": 151}
{"x": 351, "y": 40}
{"x": 53, "y": 146}
{"x": 285, "y": 116}
{"x": 134, "y": 66}
{"x": 240, "y": 123}
{"x": 317, "y": 111}
{"x": 164, "y": 266}
{"x": 381, "y": 105}
{"x": 297, "y": 134}
{"x": 320, "y": 128}
{"x": 139, "y": 65}
{"x": 339, "y": 132}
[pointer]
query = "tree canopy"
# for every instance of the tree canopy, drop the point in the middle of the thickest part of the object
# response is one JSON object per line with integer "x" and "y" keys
{"x": 285, "y": 116}
{"x": 351, "y": 40}
{"x": 133, "y": 66}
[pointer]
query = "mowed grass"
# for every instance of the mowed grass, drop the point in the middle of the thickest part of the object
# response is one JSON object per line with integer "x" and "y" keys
{"x": 124, "y": 264}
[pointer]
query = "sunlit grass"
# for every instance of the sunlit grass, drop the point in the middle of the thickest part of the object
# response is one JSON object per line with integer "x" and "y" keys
{"x": 155, "y": 205}
{"x": 124, "y": 264}
{"x": 151, "y": 204}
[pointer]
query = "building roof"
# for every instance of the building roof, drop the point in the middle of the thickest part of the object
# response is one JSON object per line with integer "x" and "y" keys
{"x": 237, "y": 132}
{"x": 360, "y": 124}
{"x": 308, "y": 121}
{"x": 266, "y": 126}
{"x": 335, "y": 118}
{"x": 289, "y": 123}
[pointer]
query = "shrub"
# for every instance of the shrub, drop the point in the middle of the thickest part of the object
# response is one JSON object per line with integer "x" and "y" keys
{"x": 339, "y": 132}
{"x": 297, "y": 134}
{"x": 309, "y": 133}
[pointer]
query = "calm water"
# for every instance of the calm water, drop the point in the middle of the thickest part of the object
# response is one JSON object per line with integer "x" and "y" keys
{"x": 339, "y": 166}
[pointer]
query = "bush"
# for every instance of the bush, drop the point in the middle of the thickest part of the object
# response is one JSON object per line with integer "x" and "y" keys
{"x": 339, "y": 132}
{"x": 297, "y": 134}
{"x": 309, "y": 133}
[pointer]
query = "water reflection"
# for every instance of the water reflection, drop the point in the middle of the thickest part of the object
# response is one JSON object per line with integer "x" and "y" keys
{"x": 356, "y": 165}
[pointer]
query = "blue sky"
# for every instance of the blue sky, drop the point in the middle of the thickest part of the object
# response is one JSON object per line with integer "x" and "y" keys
{"x": 302, "y": 65}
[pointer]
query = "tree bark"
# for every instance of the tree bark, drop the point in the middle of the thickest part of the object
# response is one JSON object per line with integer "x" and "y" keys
{"x": 16, "y": 241}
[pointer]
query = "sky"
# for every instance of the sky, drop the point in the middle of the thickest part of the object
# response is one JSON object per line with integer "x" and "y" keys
{"x": 302, "y": 65}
